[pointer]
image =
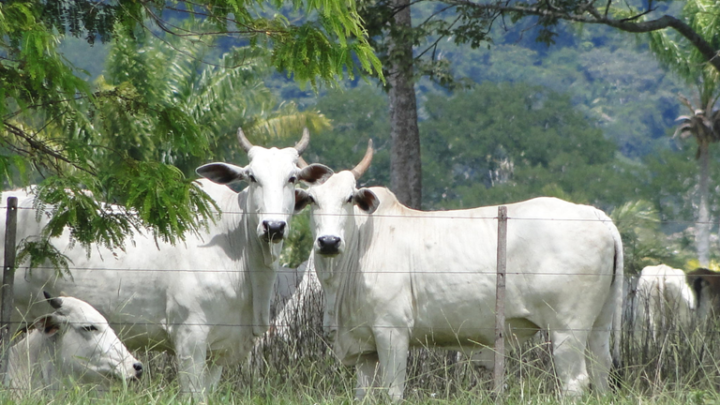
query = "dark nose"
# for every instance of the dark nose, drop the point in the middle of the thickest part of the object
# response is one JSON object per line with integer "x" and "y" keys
{"x": 138, "y": 369}
{"x": 329, "y": 244}
{"x": 275, "y": 229}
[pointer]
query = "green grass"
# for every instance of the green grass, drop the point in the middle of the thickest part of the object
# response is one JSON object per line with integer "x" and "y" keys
{"x": 681, "y": 367}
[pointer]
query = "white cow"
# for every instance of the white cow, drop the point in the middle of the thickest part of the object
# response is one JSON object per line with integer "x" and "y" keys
{"x": 662, "y": 299}
{"x": 206, "y": 298}
{"x": 400, "y": 278}
{"x": 73, "y": 343}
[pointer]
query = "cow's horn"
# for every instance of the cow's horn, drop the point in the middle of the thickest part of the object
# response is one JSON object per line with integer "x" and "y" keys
{"x": 303, "y": 142}
{"x": 361, "y": 167}
{"x": 54, "y": 302}
{"x": 302, "y": 163}
{"x": 244, "y": 143}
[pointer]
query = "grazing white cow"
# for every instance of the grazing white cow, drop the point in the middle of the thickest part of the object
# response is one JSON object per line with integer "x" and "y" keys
{"x": 401, "y": 277}
{"x": 662, "y": 299}
{"x": 206, "y": 298}
{"x": 75, "y": 342}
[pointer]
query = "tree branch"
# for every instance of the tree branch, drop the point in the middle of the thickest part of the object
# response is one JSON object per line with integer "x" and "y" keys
{"x": 41, "y": 147}
{"x": 595, "y": 17}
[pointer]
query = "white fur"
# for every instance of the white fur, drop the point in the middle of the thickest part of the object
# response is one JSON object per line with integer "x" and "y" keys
{"x": 74, "y": 343}
{"x": 409, "y": 278}
{"x": 206, "y": 298}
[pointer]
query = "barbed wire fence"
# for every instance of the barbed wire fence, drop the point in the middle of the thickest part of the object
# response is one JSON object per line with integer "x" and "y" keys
{"x": 321, "y": 346}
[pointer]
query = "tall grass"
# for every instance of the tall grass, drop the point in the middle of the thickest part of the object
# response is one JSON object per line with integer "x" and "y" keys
{"x": 680, "y": 365}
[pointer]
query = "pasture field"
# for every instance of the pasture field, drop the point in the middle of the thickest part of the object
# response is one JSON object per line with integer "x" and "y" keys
{"x": 681, "y": 366}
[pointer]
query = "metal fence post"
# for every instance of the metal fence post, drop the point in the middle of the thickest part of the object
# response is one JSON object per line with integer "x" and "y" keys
{"x": 499, "y": 370}
{"x": 7, "y": 282}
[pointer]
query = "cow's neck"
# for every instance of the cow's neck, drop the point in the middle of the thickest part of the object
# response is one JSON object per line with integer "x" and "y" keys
{"x": 338, "y": 274}
{"x": 260, "y": 273}
{"x": 32, "y": 362}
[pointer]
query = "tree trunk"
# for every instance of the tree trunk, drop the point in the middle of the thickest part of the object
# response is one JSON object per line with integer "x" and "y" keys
{"x": 405, "y": 166}
{"x": 702, "y": 227}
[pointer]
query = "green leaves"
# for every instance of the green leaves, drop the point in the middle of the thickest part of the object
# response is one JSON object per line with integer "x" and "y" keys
{"x": 121, "y": 156}
{"x": 675, "y": 51}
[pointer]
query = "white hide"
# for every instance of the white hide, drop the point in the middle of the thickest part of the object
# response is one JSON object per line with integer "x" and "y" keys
{"x": 407, "y": 278}
{"x": 662, "y": 299}
{"x": 74, "y": 343}
{"x": 206, "y": 298}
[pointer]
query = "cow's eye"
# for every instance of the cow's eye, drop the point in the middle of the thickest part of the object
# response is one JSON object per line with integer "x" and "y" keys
{"x": 251, "y": 178}
{"x": 349, "y": 200}
{"x": 292, "y": 179}
{"x": 89, "y": 328}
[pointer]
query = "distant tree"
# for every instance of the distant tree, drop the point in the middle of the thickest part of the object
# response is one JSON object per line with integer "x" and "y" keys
{"x": 703, "y": 122}
{"x": 703, "y": 125}
{"x": 507, "y": 142}
{"x": 357, "y": 115}
{"x": 53, "y": 126}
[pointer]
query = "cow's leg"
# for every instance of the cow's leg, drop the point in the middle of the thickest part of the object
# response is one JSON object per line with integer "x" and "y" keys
{"x": 212, "y": 377}
{"x": 392, "y": 346}
{"x": 367, "y": 373}
{"x": 569, "y": 354}
{"x": 191, "y": 351}
{"x": 599, "y": 359}
{"x": 484, "y": 358}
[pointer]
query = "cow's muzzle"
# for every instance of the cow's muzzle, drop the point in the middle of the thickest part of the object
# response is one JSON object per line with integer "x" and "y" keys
{"x": 328, "y": 245}
{"x": 138, "y": 367}
{"x": 274, "y": 231}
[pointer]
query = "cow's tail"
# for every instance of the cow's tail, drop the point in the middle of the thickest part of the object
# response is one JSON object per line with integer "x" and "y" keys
{"x": 618, "y": 295}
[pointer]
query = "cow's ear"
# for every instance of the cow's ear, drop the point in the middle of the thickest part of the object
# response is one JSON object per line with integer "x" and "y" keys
{"x": 366, "y": 200}
{"x": 315, "y": 174}
{"x": 302, "y": 198}
{"x": 48, "y": 325}
{"x": 222, "y": 173}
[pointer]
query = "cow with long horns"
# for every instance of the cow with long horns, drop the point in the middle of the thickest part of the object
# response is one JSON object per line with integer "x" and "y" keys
{"x": 396, "y": 278}
{"x": 206, "y": 298}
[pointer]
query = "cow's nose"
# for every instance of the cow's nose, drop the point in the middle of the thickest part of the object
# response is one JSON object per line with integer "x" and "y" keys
{"x": 329, "y": 244}
{"x": 138, "y": 369}
{"x": 275, "y": 229}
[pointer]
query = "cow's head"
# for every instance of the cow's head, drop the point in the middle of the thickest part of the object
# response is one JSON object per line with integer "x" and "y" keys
{"x": 271, "y": 176}
{"x": 332, "y": 197}
{"x": 85, "y": 345}
{"x": 706, "y": 286}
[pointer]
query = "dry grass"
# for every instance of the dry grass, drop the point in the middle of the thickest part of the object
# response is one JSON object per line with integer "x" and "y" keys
{"x": 681, "y": 366}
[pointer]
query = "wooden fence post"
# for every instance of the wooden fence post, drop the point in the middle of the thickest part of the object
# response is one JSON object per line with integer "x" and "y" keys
{"x": 499, "y": 370}
{"x": 7, "y": 282}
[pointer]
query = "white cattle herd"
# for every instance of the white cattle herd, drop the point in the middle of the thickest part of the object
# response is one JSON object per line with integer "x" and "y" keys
{"x": 393, "y": 278}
